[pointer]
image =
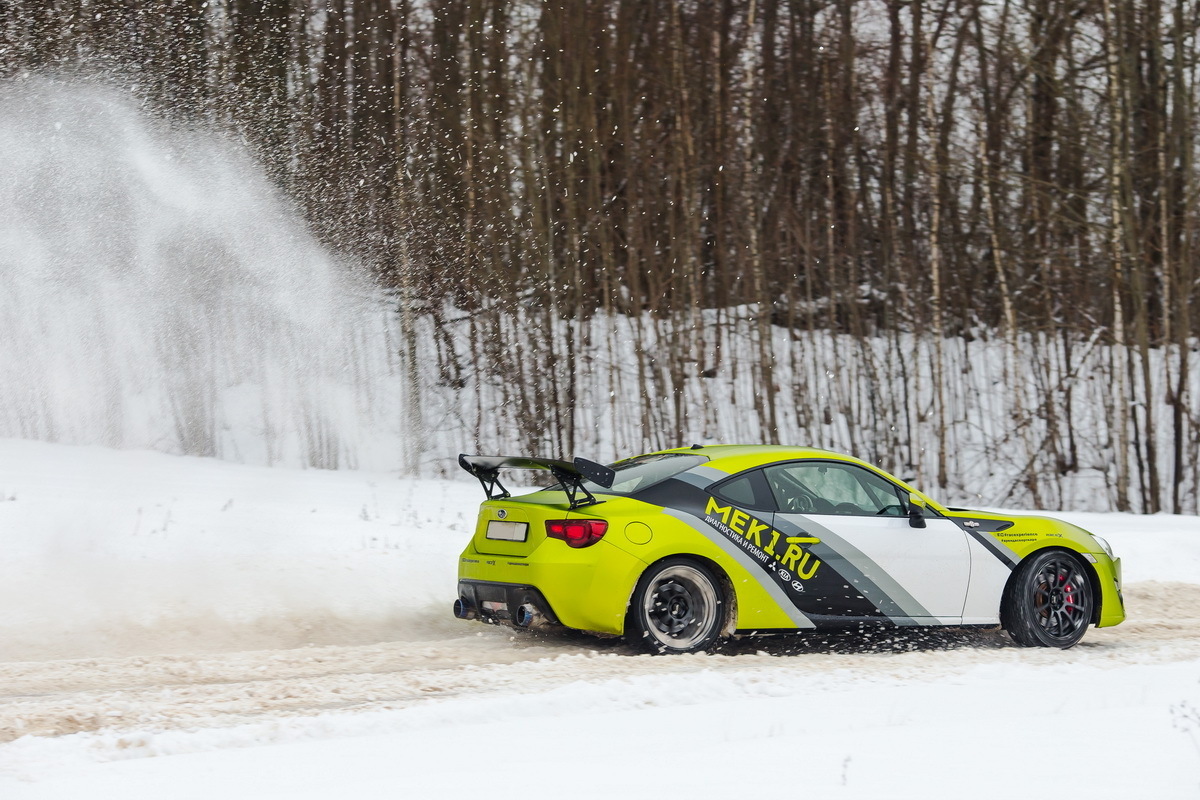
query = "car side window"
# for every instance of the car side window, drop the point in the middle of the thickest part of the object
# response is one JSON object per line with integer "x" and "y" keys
{"x": 826, "y": 487}
{"x": 748, "y": 490}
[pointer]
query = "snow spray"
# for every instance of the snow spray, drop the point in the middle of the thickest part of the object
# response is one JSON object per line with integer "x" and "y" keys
{"x": 158, "y": 292}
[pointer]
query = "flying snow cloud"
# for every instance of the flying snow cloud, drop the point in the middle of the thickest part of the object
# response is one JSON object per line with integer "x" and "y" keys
{"x": 159, "y": 293}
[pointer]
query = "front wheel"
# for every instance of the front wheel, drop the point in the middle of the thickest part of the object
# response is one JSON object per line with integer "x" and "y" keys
{"x": 1048, "y": 603}
{"x": 677, "y": 607}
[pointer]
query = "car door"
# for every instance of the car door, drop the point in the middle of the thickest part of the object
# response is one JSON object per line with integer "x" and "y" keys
{"x": 855, "y": 523}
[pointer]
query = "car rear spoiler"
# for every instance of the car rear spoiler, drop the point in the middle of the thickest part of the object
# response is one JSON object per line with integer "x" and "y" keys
{"x": 571, "y": 474}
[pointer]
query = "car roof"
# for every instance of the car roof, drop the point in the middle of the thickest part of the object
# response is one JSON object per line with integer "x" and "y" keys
{"x": 734, "y": 458}
{"x": 744, "y": 455}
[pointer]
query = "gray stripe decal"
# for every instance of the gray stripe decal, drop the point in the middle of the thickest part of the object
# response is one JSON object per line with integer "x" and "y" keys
{"x": 701, "y": 477}
{"x": 996, "y": 548}
{"x": 751, "y": 566}
{"x": 896, "y": 603}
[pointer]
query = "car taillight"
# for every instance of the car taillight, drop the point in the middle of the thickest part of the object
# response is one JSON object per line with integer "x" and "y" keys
{"x": 577, "y": 532}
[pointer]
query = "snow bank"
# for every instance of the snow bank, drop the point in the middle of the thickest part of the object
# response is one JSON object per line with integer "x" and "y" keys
{"x": 1158, "y": 547}
{"x": 116, "y": 553}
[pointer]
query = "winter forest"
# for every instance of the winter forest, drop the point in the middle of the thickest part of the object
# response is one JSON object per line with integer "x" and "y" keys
{"x": 955, "y": 238}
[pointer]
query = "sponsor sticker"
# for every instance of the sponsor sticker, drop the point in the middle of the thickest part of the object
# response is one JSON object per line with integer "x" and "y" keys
{"x": 784, "y": 557}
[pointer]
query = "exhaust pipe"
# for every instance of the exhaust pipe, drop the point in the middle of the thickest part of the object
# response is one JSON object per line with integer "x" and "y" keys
{"x": 464, "y": 610}
{"x": 527, "y": 616}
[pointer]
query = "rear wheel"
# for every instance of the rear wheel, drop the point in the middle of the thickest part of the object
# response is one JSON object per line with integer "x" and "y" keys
{"x": 677, "y": 607}
{"x": 1048, "y": 603}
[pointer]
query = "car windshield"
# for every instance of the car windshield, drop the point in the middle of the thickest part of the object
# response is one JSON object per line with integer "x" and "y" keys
{"x": 641, "y": 472}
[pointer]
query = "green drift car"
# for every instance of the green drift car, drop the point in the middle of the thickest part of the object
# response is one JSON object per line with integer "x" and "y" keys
{"x": 678, "y": 548}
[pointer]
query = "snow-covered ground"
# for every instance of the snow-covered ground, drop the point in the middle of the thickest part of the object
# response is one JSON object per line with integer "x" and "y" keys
{"x": 190, "y": 628}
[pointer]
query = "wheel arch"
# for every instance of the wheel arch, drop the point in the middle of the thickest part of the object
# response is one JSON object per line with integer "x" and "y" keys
{"x": 1088, "y": 567}
{"x": 728, "y": 593}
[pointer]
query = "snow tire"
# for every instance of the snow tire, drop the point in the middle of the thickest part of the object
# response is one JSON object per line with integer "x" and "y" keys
{"x": 677, "y": 607}
{"x": 1048, "y": 601}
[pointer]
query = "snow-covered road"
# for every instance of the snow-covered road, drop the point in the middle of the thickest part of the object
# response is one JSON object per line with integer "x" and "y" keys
{"x": 183, "y": 692}
{"x": 189, "y": 628}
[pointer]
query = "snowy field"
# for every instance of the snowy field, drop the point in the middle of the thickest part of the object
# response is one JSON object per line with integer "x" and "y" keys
{"x": 181, "y": 628}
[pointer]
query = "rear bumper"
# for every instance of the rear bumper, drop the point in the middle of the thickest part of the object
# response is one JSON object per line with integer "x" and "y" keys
{"x": 583, "y": 588}
{"x": 498, "y": 602}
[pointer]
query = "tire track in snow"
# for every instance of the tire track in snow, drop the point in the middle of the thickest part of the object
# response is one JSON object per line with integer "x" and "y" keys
{"x": 181, "y": 692}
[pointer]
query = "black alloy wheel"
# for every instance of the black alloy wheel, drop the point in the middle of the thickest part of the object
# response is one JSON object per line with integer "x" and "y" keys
{"x": 1048, "y": 602}
{"x": 677, "y": 607}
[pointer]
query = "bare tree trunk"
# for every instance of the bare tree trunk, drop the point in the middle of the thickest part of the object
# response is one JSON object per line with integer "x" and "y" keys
{"x": 1116, "y": 167}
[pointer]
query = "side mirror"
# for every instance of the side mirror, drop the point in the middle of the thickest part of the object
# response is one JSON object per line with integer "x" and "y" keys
{"x": 916, "y": 510}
